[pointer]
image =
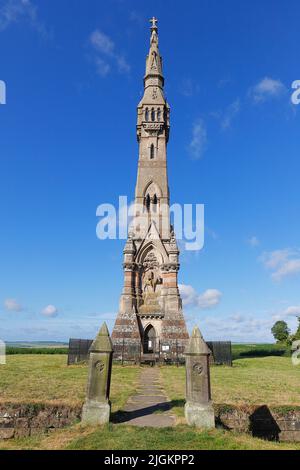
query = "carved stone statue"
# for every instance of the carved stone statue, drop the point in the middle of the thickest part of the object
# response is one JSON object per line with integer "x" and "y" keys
{"x": 151, "y": 280}
{"x": 149, "y": 284}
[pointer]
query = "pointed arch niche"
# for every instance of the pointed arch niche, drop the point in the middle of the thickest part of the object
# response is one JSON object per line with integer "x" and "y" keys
{"x": 152, "y": 197}
{"x": 149, "y": 340}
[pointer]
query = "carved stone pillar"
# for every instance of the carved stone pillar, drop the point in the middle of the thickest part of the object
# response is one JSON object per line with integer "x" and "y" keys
{"x": 198, "y": 408}
{"x": 96, "y": 409}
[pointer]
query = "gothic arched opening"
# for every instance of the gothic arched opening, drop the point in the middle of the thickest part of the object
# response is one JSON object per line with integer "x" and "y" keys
{"x": 147, "y": 202}
{"x": 149, "y": 340}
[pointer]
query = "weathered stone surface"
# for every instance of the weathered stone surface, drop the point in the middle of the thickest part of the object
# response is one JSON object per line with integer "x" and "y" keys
{"x": 28, "y": 419}
{"x": 96, "y": 409}
{"x": 95, "y": 413}
{"x": 7, "y": 422}
{"x": 198, "y": 409}
{"x": 260, "y": 421}
{"x": 7, "y": 433}
{"x": 201, "y": 416}
{"x": 141, "y": 409}
{"x": 22, "y": 433}
{"x": 289, "y": 436}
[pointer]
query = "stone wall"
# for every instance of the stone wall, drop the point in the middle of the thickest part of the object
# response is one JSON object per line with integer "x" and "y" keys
{"x": 22, "y": 420}
{"x": 276, "y": 424}
{"x": 279, "y": 424}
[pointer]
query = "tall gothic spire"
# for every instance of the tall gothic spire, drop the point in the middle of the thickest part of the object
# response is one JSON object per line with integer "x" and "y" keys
{"x": 151, "y": 256}
{"x": 154, "y": 60}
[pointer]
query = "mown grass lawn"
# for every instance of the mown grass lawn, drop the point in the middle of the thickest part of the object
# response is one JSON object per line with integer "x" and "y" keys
{"x": 274, "y": 381}
{"x": 121, "y": 437}
{"x": 47, "y": 378}
{"x": 271, "y": 380}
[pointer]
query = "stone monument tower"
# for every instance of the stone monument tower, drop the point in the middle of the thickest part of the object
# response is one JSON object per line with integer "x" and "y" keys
{"x": 150, "y": 309}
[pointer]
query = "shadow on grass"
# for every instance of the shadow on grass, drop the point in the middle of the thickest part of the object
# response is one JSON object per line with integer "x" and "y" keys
{"x": 263, "y": 425}
{"x": 122, "y": 416}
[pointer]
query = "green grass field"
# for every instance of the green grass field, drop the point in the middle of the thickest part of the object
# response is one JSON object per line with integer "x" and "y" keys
{"x": 240, "y": 351}
{"x": 271, "y": 380}
{"x": 46, "y": 378}
{"x": 121, "y": 437}
{"x": 253, "y": 381}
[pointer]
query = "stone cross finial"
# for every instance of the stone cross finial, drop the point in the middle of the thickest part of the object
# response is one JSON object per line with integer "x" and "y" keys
{"x": 96, "y": 409}
{"x": 153, "y": 22}
{"x": 198, "y": 408}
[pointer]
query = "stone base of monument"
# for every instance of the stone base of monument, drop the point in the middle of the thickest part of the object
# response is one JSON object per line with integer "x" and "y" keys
{"x": 201, "y": 416}
{"x": 95, "y": 413}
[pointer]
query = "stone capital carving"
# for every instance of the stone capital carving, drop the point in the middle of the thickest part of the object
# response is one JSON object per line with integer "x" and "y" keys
{"x": 129, "y": 266}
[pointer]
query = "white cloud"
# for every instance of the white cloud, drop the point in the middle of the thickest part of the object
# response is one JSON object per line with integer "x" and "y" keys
{"x": 50, "y": 311}
{"x": 12, "y": 305}
{"x": 290, "y": 315}
{"x": 267, "y": 88}
{"x": 103, "y": 68}
{"x": 59, "y": 328}
{"x": 188, "y": 294}
{"x": 237, "y": 328}
{"x": 237, "y": 318}
{"x": 199, "y": 139}
{"x": 14, "y": 11}
{"x": 253, "y": 241}
{"x": 292, "y": 311}
{"x": 208, "y": 299}
{"x": 105, "y": 46}
{"x": 123, "y": 66}
{"x": 282, "y": 263}
{"x": 102, "y": 42}
{"x": 230, "y": 113}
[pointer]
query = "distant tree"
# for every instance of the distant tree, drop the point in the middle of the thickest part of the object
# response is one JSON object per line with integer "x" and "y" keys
{"x": 280, "y": 331}
{"x": 297, "y": 334}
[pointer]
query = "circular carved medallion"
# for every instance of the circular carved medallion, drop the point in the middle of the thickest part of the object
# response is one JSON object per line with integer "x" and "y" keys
{"x": 99, "y": 366}
{"x": 197, "y": 368}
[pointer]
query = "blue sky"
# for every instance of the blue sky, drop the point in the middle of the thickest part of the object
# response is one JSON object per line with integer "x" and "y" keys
{"x": 68, "y": 144}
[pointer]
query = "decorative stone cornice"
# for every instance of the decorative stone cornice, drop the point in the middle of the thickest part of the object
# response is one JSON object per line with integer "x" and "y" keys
{"x": 151, "y": 316}
{"x": 170, "y": 267}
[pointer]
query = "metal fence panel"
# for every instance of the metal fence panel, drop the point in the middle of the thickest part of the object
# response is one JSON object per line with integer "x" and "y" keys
{"x": 221, "y": 352}
{"x": 78, "y": 350}
{"x": 163, "y": 353}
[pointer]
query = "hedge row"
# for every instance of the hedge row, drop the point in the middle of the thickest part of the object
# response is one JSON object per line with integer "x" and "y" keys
{"x": 13, "y": 350}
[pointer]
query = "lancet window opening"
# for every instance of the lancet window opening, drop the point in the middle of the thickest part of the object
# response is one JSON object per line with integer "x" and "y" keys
{"x": 151, "y": 151}
{"x": 147, "y": 202}
{"x": 154, "y": 202}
